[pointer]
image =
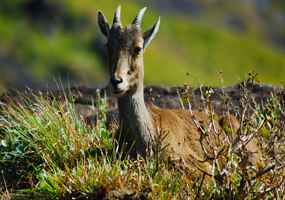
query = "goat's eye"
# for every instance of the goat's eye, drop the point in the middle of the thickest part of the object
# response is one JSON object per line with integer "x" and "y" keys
{"x": 138, "y": 50}
{"x": 107, "y": 47}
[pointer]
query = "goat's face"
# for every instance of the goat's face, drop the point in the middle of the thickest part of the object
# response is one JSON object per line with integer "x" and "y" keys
{"x": 125, "y": 59}
{"x": 125, "y": 47}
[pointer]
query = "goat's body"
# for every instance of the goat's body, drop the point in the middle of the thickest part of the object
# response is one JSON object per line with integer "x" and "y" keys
{"x": 140, "y": 131}
{"x": 141, "y": 123}
{"x": 140, "y": 128}
{"x": 183, "y": 140}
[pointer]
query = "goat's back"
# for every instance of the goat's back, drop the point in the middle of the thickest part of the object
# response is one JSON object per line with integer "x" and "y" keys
{"x": 184, "y": 138}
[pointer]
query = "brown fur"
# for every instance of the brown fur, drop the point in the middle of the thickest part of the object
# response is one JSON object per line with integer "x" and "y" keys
{"x": 140, "y": 122}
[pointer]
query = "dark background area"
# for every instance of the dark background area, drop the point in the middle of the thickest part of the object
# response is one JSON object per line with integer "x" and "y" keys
{"x": 45, "y": 39}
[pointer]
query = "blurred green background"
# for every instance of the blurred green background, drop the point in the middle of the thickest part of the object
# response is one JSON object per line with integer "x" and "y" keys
{"x": 42, "y": 39}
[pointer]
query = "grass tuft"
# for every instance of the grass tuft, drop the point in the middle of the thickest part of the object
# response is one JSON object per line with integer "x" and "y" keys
{"x": 49, "y": 151}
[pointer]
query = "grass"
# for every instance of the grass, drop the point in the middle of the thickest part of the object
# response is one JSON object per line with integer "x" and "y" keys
{"x": 55, "y": 153}
{"x": 49, "y": 151}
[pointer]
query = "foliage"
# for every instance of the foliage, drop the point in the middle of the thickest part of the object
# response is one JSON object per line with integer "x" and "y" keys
{"x": 70, "y": 43}
{"x": 49, "y": 151}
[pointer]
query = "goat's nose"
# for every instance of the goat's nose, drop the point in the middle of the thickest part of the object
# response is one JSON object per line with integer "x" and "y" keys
{"x": 116, "y": 81}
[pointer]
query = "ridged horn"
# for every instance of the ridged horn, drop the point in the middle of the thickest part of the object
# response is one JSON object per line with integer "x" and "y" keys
{"x": 117, "y": 16}
{"x": 138, "y": 19}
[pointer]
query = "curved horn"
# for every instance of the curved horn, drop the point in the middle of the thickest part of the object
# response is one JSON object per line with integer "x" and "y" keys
{"x": 117, "y": 17}
{"x": 138, "y": 19}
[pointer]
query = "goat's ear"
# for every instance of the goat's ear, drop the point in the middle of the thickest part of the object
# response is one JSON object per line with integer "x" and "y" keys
{"x": 103, "y": 25}
{"x": 149, "y": 34}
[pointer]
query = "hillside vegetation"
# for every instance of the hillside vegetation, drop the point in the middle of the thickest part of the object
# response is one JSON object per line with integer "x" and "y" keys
{"x": 49, "y": 150}
{"x": 61, "y": 37}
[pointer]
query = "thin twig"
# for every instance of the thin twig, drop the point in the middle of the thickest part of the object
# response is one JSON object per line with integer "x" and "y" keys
{"x": 200, "y": 186}
{"x": 260, "y": 173}
{"x": 219, "y": 178}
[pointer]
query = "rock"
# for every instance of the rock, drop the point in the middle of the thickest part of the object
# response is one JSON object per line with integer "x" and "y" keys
{"x": 161, "y": 96}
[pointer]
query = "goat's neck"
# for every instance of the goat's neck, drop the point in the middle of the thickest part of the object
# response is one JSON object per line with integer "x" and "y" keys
{"x": 136, "y": 119}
